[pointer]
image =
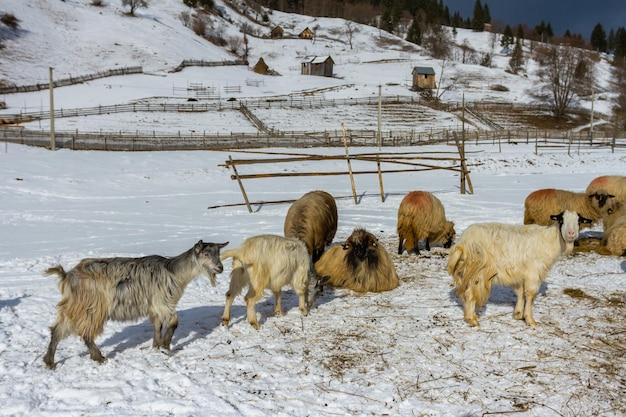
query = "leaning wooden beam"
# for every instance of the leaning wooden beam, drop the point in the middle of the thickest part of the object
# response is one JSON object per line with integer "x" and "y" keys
{"x": 238, "y": 178}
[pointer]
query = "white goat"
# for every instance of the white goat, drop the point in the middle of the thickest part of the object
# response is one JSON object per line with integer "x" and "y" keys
{"x": 270, "y": 261}
{"x": 516, "y": 256}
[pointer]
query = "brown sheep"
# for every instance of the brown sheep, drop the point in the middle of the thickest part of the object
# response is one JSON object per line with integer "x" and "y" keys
{"x": 612, "y": 184}
{"x": 313, "y": 219}
{"x": 360, "y": 264}
{"x": 422, "y": 216}
{"x": 541, "y": 204}
{"x": 614, "y": 239}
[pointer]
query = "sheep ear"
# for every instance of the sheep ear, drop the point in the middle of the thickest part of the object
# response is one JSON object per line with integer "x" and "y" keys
{"x": 221, "y": 245}
{"x": 198, "y": 246}
{"x": 374, "y": 243}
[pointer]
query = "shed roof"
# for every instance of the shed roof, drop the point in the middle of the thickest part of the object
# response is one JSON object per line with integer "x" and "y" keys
{"x": 424, "y": 70}
{"x": 313, "y": 59}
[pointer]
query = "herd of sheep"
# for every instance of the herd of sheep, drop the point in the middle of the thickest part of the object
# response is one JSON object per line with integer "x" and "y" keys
{"x": 519, "y": 256}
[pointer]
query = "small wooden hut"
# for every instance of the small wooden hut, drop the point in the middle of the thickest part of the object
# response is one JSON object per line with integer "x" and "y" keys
{"x": 277, "y": 32}
{"x": 423, "y": 78}
{"x": 306, "y": 34}
{"x": 317, "y": 65}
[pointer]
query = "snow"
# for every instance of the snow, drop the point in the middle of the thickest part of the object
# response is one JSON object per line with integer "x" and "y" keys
{"x": 404, "y": 352}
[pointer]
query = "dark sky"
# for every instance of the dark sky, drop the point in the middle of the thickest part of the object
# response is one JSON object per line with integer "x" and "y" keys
{"x": 579, "y": 16}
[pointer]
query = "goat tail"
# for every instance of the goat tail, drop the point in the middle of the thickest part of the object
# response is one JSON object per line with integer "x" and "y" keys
{"x": 229, "y": 253}
{"x": 472, "y": 275}
{"x": 58, "y": 270}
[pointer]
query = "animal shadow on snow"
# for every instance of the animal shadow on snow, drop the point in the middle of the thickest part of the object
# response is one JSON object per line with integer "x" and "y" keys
{"x": 499, "y": 295}
{"x": 193, "y": 324}
{"x": 11, "y": 303}
{"x": 265, "y": 306}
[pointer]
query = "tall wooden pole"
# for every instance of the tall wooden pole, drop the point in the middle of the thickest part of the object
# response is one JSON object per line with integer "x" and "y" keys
{"x": 52, "y": 139}
{"x": 380, "y": 134}
{"x": 345, "y": 145}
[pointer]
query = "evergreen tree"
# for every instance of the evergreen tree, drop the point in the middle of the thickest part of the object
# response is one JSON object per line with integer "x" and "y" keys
{"x": 478, "y": 18}
{"x": 620, "y": 43}
{"x": 486, "y": 14}
{"x": 610, "y": 42}
{"x": 507, "y": 37}
{"x": 517, "y": 57}
{"x": 520, "y": 32}
{"x": 598, "y": 38}
{"x": 414, "y": 34}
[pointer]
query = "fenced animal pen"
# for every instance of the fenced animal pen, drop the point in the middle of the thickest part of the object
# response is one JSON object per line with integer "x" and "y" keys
{"x": 402, "y": 162}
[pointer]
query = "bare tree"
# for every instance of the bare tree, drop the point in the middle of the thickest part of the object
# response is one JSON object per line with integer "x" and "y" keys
{"x": 234, "y": 43}
{"x": 134, "y": 5}
{"x": 444, "y": 84}
{"x": 436, "y": 41}
{"x": 564, "y": 71}
{"x": 350, "y": 30}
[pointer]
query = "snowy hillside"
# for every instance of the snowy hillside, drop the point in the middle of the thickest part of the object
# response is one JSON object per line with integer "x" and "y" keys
{"x": 77, "y": 38}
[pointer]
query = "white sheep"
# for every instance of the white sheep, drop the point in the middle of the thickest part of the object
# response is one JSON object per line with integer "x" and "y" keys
{"x": 313, "y": 219}
{"x": 540, "y": 205}
{"x": 612, "y": 184}
{"x": 422, "y": 216}
{"x": 614, "y": 239}
{"x": 269, "y": 261}
{"x": 516, "y": 256}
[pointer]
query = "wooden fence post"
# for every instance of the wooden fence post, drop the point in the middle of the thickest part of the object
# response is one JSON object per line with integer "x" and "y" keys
{"x": 345, "y": 145}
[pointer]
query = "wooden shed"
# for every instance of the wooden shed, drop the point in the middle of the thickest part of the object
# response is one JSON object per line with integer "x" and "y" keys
{"x": 306, "y": 34}
{"x": 317, "y": 65}
{"x": 277, "y": 33}
{"x": 423, "y": 78}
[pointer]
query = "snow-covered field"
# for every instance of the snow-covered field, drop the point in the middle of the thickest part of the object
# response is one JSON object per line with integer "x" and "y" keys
{"x": 404, "y": 352}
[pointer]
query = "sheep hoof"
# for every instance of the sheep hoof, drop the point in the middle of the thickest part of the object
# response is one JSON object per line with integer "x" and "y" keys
{"x": 531, "y": 322}
{"x": 50, "y": 365}
{"x": 225, "y": 322}
{"x": 473, "y": 322}
{"x": 255, "y": 325}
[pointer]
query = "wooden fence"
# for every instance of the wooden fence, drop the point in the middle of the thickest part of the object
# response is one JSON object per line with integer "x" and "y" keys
{"x": 545, "y": 141}
{"x": 71, "y": 80}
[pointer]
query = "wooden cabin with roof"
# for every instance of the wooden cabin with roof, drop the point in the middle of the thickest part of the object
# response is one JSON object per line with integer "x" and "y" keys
{"x": 317, "y": 65}
{"x": 423, "y": 78}
{"x": 306, "y": 34}
{"x": 277, "y": 33}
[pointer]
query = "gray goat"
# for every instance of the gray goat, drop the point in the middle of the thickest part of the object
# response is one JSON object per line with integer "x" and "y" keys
{"x": 124, "y": 289}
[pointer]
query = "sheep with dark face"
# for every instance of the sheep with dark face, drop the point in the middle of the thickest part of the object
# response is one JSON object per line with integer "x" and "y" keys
{"x": 612, "y": 184}
{"x": 540, "y": 205}
{"x": 516, "y": 256}
{"x": 313, "y": 219}
{"x": 422, "y": 216}
{"x": 360, "y": 264}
